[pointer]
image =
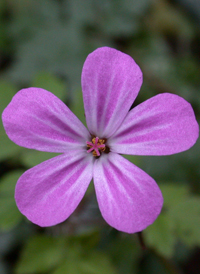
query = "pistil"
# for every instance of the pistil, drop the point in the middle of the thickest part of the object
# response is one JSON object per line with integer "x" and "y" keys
{"x": 96, "y": 146}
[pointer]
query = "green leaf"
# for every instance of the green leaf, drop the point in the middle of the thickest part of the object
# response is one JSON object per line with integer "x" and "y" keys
{"x": 6, "y": 94}
{"x": 136, "y": 160}
{"x": 32, "y": 157}
{"x": 173, "y": 193}
{"x": 51, "y": 83}
{"x": 71, "y": 267}
{"x": 121, "y": 18}
{"x": 56, "y": 47}
{"x": 77, "y": 106}
{"x": 125, "y": 252}
{"x": 186, "y": 215}
{"x": 41, "y": 253}
{"x": 180, "y": 219}
{"x": 96, "y": 263}
{"x": 8, "y": 148}
{"x": 93, "y": 263}
{"x": 160, "y": 236}
{"x": 9, "y": 213}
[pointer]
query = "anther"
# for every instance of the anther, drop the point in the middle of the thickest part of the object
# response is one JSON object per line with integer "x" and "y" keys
{"x": 96, "y": 146}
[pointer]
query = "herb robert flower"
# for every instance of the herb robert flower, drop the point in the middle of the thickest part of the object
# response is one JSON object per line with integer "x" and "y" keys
{"x": 128, "y": 198}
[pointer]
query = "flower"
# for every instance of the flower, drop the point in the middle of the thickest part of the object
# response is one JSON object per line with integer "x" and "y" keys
{"x": 128, "y": 198}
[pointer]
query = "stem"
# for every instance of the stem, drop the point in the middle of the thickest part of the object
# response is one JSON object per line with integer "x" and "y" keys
{"x": 141, "y": 240}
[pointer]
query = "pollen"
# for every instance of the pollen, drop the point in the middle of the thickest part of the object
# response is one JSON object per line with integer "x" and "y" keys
{"x": 96, "y": 146}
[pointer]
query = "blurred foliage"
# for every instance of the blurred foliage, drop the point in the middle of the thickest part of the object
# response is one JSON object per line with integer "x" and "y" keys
{"x": 62, "y": 255}
{"x": 44, "y": 44}
{"x": 179, "y": 221}
{"x": 48, "y": 81}
{"x": 7, "y": 147}
{"x": 9, "y": 213}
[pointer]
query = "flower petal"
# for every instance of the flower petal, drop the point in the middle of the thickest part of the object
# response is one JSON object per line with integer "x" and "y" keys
{"x": 162, "y": 125}
{"x": 48, "y": 193}
{"x": 111, "y": 81}
{"x": 35, "y": 118}
{"x": 129, "y": 199}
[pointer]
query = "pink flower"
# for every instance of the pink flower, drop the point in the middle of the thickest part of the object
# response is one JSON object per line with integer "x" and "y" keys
{"x": 128, "y": 198}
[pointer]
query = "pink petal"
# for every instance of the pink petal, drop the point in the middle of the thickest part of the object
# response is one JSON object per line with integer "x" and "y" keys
{"x": 129, "y": 199}
{"x": 35, "y": 118}
{"x": 162, "y": 125}
{"x": 111, "y": 81}
{"x": 48, "y": 193}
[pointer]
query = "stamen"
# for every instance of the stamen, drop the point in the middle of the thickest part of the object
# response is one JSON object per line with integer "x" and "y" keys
{"x": 96, "y": 146}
